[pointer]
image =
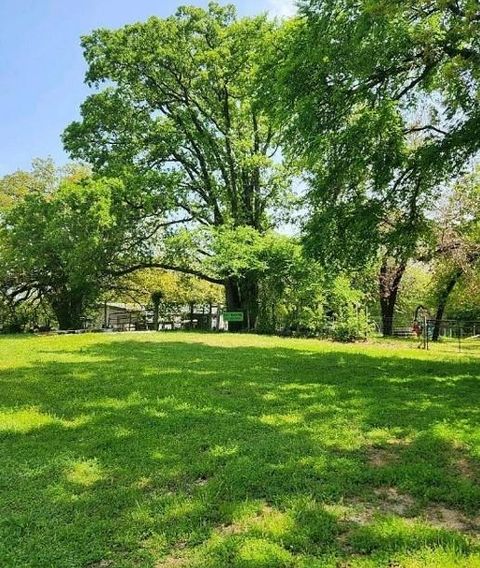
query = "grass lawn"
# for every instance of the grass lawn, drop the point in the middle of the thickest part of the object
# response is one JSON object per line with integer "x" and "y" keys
{"x": 184, "y": 450}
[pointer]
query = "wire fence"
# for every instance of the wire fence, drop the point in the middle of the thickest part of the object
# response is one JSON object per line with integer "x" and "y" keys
{"x": 429, "y": 331}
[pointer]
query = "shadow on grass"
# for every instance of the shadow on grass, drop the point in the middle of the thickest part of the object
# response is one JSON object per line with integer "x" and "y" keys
{"x": 239, "y": 456}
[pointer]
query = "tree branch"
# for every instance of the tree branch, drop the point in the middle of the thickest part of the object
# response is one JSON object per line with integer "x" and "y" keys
{"x": 166, "y": 266}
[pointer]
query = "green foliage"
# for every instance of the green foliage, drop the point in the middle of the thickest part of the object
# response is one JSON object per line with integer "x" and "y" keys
{"x": 175, "y": 115}
{"x": 458, "y": 249}
{"x": 237, "y": 251}
{"x": 414, "y": 291}
{"x": 59, "y": 245}
{"x": 348, "y": 321}
{"x": 352, "y": 325}
{"x": 290, "y": 286}
{"x": 463, "y": 213}
{"x": 294, "y": 293}
{"x": 295, "y": 296}
{"x": 381, "y": 99}
{"x": 172, "y": 288}
{"x": 378, "y": 102}
{"x": 19, "y": 315}
{"x": 44, "y": 178}
{"x": 180, "y": 109}
{"x": 342, "y": 295}
{"x": 291, "y": 290}
{"x": 464, "y": 301}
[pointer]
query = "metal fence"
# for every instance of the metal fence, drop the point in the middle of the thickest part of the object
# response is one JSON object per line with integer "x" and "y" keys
{"x": 461, "y": 332}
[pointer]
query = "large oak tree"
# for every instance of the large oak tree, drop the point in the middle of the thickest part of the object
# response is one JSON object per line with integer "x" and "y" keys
{"x": 175, "y": 115}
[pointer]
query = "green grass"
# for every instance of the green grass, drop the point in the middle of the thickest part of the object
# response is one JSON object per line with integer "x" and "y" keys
{"x": 183, "y": 450}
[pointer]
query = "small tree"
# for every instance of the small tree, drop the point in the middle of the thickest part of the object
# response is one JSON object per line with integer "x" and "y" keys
{"x": 458, "y": 250}
{"x": 59, "y": 246}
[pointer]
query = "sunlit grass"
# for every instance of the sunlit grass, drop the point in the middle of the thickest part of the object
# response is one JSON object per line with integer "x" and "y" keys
{"x": 31, "y": 418}
{"x": 84, "y": 472}
{"x": 203, "y": 451}
{"x": 23, "y": 420}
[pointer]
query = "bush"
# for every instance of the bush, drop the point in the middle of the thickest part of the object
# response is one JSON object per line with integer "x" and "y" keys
{"x": 22, "y": 316}
{"x": 350, "y": 327}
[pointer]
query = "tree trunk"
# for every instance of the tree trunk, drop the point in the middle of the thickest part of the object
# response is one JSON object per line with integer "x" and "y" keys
{"x": 242, "y": 296}
{"x": 389, "y": 285}
{"x": 192, "y": 309}
{"x": 156, "y": 315}
{"x": 388, "y": 311}
{"x": 442, "y": 301}
{"x": 68, "y": 310}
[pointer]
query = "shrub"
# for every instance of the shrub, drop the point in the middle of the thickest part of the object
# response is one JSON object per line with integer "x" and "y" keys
{"x": 351, "y": 326}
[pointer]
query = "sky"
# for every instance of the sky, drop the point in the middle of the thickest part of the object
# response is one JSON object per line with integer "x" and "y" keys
{"x": 42, "y": 68}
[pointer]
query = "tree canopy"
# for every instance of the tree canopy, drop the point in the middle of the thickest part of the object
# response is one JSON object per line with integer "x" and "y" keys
{"x": 59, "y": 246}
{"x": 382, "y": 103}
{"x": 176, "y": 114}
{"x": 198, "y": 128}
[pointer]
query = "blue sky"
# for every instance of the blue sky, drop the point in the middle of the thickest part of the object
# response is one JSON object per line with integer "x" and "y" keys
{"x": 42, "y": 69}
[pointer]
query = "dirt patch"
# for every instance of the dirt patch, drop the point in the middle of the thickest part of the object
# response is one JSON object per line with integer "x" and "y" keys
{"x": 391, "y": 501}
{"x": 463, "y": 464}
{"x": 240, "y": 527}
{"x": 230, "y": 529}
{"x": 173, "y": 562}
{"x": 101, "y": 564}
{"x": 177, "y": 559}
{"x": 387, "y": 501}
{"x": 382, "y": 456}
{"x": 358, "y": 512}
{"x": 451, "y": 519}
{"x": 466, "y": 468}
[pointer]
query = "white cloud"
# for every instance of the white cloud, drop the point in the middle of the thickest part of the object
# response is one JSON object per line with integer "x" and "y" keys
{"x": 282, "y": 8}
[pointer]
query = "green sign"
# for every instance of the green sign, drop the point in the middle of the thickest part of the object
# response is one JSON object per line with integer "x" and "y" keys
{"x": 233, "y": 316}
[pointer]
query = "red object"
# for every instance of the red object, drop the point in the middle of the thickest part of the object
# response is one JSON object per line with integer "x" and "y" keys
{"x": 417, "y": 328}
